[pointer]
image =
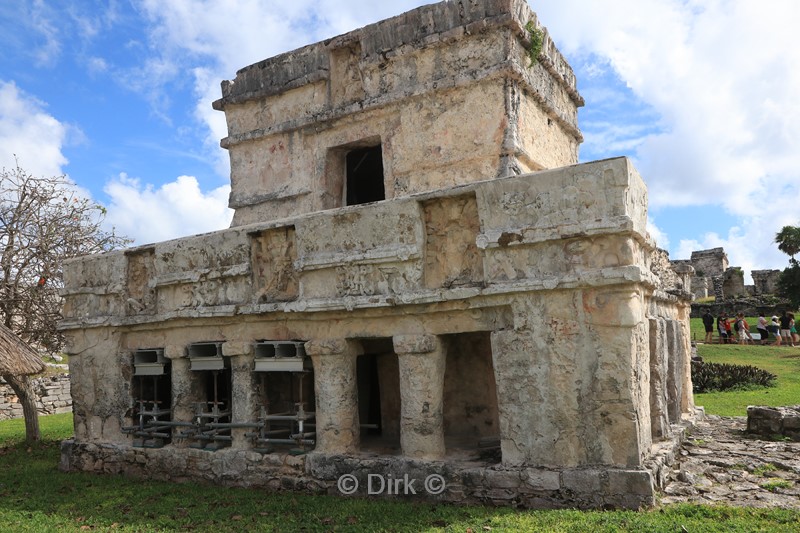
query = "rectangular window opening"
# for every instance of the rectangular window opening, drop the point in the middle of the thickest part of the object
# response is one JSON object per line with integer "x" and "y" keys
{"x": 211, "y": 395}
{"x": 364, "y": 175}
{"x": 151, "y": 393}
{"x": 286, "y": 398}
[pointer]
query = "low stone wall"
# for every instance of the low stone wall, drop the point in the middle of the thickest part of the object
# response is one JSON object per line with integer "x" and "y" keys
{"x": 455, "y": 482}
{"x": 748, "y": 306}
{"x": 53, "y": 393}
{"x": 774, "y": 421}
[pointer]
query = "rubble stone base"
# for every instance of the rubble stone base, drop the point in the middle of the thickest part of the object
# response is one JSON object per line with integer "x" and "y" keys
{"x": 52, "y": 397}
{"x": 774, "y": 421}
{"x": 456, "y": 482}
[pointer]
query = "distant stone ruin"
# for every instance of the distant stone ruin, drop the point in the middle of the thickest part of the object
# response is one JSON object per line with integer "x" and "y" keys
{"x": 419, "y": 284}
{"x": 714, "y": 277}
{"x": 765, "y": 281}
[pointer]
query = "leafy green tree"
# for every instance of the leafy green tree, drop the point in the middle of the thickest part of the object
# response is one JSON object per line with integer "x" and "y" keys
{"x": 43, "y": 221}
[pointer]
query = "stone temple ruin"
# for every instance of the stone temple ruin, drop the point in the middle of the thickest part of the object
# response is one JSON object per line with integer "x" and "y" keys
{"x": 419, "y": 283}
{"x": 714, "y": 277}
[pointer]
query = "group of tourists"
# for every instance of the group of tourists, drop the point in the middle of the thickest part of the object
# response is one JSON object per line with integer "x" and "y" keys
{"x": 782, "y": 329}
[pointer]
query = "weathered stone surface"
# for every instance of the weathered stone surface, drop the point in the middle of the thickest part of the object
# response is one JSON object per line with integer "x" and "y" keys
{"x": 571, "y": 366}
{"x": 765, "y": 281}
{"x": 421, "y": 389}
{"x": 735, "y": 468}
{"x": 511, "y": 329}
{"x": 335, "y": 386}
{"x": 52, "y": 393}
{"x": 273, "y": 255}
{"x": 659, "y": 370}
{"x": 772, "y": 422}
{"x": 481, "y": 97}
{"x": 415, "y": 344}
{"x": 451, "y": 256}
{"x": 733, "y": 283}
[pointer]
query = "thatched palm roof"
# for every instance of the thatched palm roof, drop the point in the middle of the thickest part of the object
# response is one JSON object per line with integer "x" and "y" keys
{"x": 16, "y": 357}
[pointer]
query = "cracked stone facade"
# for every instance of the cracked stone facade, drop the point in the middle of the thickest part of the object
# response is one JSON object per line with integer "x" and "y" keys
{"x": 501, "y": 319}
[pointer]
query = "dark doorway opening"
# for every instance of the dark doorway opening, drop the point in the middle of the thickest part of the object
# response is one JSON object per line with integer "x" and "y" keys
{"x": 378, "y": 381}
{"x": 364, "y": 169}
{"x": 369, "y": 395}
{"x": 471, "y": 414}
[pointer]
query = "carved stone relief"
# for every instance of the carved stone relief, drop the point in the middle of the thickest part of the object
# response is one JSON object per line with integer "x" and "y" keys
{"x": 140, "y": 294}
{"x": 451, "y": 256}
{"x": 368, "y": 280}
{"x": 513, "y": 260}
{"x": 273, "y": 254}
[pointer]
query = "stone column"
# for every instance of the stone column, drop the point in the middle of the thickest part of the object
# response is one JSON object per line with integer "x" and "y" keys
{"x": 674, "y": 371}
{"x": 659, "y": 418}
{"x": 182, "y": 397}
{"x": 336, "y": 393}
{"x": 422, "y": 361}
{"x": 684, "y": 272}
{"x": 719, "y": 292}
{"x": 244, "y": 391}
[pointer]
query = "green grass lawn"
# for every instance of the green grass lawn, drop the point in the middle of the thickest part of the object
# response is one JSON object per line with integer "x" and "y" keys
{"x": 783, "y": 361}
{"x": 36, "y": 497}
{"x": 698, "y": 332}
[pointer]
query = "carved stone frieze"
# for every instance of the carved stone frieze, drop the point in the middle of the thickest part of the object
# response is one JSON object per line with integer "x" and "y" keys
{"x": 369, "y": 280}
{"x": 273, "y": 254}
{"x": 140, "y": 294}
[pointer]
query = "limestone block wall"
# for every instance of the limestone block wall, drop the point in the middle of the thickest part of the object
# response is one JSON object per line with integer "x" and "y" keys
{"x": 709, "y": 263}
{"x": 52, "y": 393}
{"x": 733, "y": 283}
{"x": 773, "y": 422}
{"x": 536, "y": 290}
{"x": 446, "y": 91}
{"x": 765, "y": 281}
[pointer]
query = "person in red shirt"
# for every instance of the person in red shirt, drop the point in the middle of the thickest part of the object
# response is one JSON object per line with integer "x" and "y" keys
{"x": 728, "y": 333}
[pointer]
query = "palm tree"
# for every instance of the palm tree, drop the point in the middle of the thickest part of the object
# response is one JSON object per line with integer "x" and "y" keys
{"x": 788, "y": 239}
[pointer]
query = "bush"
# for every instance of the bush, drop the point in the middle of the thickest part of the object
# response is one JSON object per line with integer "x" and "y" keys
{"x": 708, "y": 377}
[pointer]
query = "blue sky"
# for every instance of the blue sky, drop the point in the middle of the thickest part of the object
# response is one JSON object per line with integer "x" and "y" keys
{"x": 702, "y": 95}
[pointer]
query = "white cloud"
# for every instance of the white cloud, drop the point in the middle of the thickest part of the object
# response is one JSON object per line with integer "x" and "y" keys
{"x": 721, "y": 76}
{"x": 661, "y": 238}
{"x": 175, "y": 209}
{"x": 96, "y": 65}
{"x": 212, "y": 40}
{"x": 28, "y": 132}
{"x": 750, "y": 245}
{"x": 42, "y": 21}
{"x": 722, "y": 81}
